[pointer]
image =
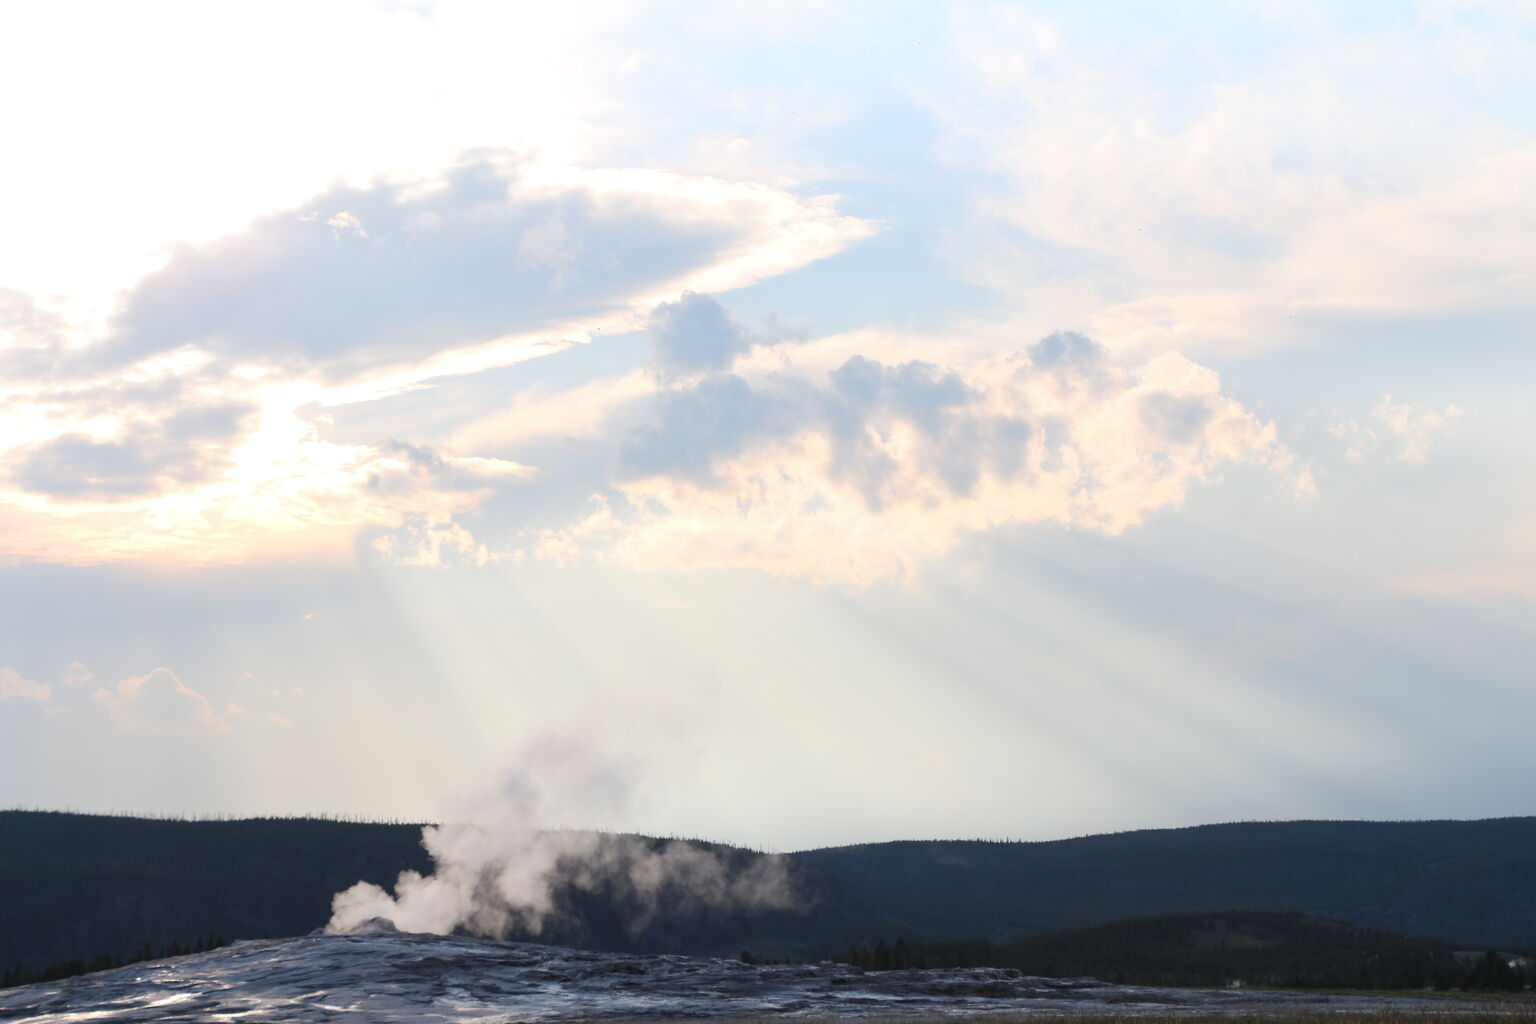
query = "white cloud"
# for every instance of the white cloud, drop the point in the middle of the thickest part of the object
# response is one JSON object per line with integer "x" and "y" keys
{"x": 1405, "y": 429}
{"x": 514, "y": 252}
{"x": 282, "y": 490}
{"x": 1337, "y": 170}
{"x": 189, "y": 432}
{"x": 15, "y": 685}
{"x": 1414, "y": 427}
{"x": 159, "y": 702}
{"x": 433, "y": 545}
{"x": 889, "y": 467}
{"x": 581, "y": 411}
{"x": 365, "y": 91}
{"x": 345, "y": 221}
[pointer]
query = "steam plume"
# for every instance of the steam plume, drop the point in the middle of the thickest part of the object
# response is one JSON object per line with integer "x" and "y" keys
{"x": 503, "y": 874}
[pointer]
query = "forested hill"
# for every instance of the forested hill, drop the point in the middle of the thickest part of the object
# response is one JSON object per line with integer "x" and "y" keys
{"x": 1467, "y": 882}
{"x": 77, "y": 886}
{"x": 1250, "y": 947}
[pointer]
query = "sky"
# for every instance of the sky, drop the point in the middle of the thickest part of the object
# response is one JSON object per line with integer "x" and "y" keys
{"x": 787, "y": 424}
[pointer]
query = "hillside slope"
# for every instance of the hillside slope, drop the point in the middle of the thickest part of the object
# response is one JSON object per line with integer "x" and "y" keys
{"x": 1468, "y": 882}
{"x": 78, "y": 885}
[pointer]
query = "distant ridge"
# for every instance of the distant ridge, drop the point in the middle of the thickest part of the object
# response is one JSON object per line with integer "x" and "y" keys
{"x": 75, "y": 886}
{"x": 1469, "y": 882}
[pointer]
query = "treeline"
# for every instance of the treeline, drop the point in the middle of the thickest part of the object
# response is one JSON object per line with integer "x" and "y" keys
{"x": 75, "y": 887}
{"x": 1217, "y": 950}
{"x": 1469, "y": 883}
{"x": 331, "y": 817}
{"x": 19, "y": 975}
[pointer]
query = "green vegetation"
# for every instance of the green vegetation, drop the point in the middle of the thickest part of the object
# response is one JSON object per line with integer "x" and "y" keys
{"x": 75, "y": 887}
{"x": 1471, "y": 884}
{"x": 1254, "y": 948}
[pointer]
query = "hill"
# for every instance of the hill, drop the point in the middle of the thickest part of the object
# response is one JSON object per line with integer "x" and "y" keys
{"x": 1472, "y": 883}
{"x": 1251, "y": 948}
{"x": 77, "y": 886}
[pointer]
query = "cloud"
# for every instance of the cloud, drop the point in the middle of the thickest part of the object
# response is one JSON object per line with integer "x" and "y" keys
{"x": 281, "y": 489}
{"x": 178, "y": 457}
{"x": 697, "y": 425}
{"x": 195, "y": 428}
{"x": 15, "y": 685}
{"x": 1408, "y": 428}
{"x": 1414, "y": 427}
{"x": 367, "y": 90}
{"x": 433, "y": 544}
{"x": 31, "y": 337}
{"x": 580, "y": 411}
{"x": 694, "y": 334}
{"x": 345, "y": 221}
{"x": 395, "y": 273}
{"x": 188, "y": 446}
{"x": 159, "y": 702}
{"x": 77, "y": 674}
{"x": 884, "y": 468}
{"x": 1211, "y": 207}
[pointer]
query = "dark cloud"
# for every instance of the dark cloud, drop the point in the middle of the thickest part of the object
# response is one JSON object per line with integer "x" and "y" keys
{"x": 720, "y": 416}
{"x": 716, "y": 418}
{"x": 365, "y": 276}
{"x": 917, "y": 392}
{"x": 695, "y": 334}
{"x": 1067, "y": 351}
{"x": 420, "y": 457}
{"x": 186, "y": 447}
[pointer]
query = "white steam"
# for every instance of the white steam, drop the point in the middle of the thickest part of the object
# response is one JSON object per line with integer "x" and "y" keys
{"x": 492, "y": 880}
{"x": 505, "y": 874}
